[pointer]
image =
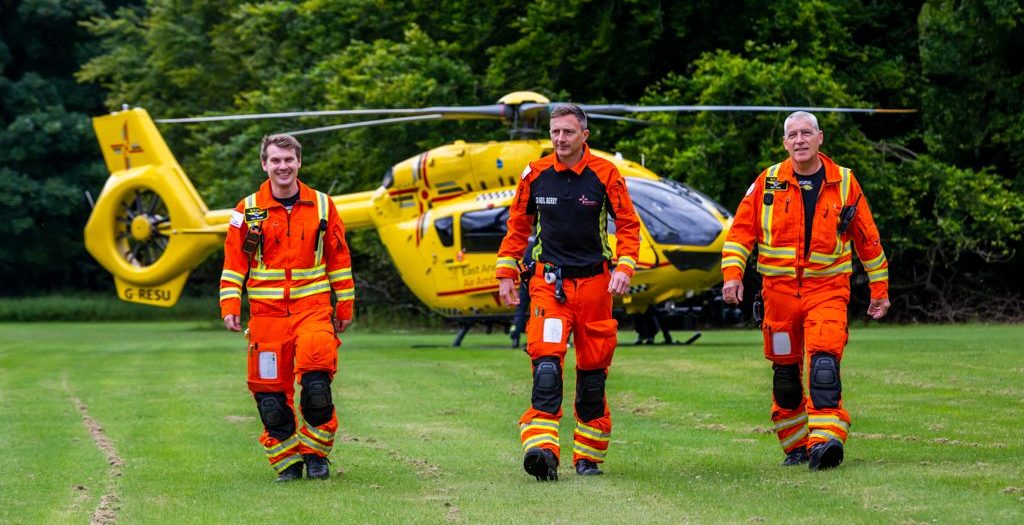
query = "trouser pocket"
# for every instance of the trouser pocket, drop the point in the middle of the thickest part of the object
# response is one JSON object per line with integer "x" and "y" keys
{"x": 780, "y": 345}
{"x": 269, "y": 367}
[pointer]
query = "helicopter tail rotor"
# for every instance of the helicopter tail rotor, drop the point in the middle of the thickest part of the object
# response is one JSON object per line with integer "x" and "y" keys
{"x": 148, "y": 227}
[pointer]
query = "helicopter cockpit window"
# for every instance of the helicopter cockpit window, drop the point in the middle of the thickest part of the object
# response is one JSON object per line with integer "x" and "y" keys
{"x": 673, "y": 212}
{"x": 445, "y": 230}
{"x": 483, "y": 230}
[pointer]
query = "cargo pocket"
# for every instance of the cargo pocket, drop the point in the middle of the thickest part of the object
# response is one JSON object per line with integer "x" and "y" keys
{"x": 595, "y": 350}
{"x": 270, "y": 367}
{"x": 779, "y": 347}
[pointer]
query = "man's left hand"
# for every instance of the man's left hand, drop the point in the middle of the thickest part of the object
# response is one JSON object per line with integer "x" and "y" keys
{"x": 340, "y": 325}
{"x": 619, "y": 283}
{"x": 878, "y": 308}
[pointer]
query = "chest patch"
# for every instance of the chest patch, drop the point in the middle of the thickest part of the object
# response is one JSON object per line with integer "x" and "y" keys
{"x": 255, "y": 215}
{"x": 774, "y": 184}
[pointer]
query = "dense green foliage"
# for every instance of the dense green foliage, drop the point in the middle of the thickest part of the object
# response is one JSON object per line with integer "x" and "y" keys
{"x": 945, "y": 183}
{"x": 428, "y": 433}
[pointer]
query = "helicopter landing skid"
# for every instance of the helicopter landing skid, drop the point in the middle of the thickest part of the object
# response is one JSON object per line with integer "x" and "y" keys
{"x": 668, "y": 341}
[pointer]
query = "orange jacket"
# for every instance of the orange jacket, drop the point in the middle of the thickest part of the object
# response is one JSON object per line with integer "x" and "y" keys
{"x": 571, "y": 206}
{"x": 771, "y": 216}
{"x": 283, "y": 276}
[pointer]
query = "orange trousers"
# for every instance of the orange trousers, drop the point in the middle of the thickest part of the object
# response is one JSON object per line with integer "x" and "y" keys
{"x": 804, "y": 337}
{"x": 587, "y": 315}
{"x": 281, "y": 351}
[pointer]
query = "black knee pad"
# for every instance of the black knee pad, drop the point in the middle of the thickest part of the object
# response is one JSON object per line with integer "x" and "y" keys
{"x": 786, "y": 386}
{"x": 826, "y": 387}
{"x": 316, "y": 401}
{"x": 547, "y": 385}
{"x": 590, "y": 394}
{"x": 278, "y": 418}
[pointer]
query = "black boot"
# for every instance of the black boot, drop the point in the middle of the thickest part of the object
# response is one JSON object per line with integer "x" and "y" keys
{"x": 826, "y": 455}
{"x": 291, "y": 473}
{"x": 585, "y": 467}
{"x": 795, "y": 457}
{"x": 541, "y": 463}
{"x": 316, "y": 466}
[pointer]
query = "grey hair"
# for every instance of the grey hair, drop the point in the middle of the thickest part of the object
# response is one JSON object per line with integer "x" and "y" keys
{"x": 562, "y": 110}
{"x": 799, "y": 115}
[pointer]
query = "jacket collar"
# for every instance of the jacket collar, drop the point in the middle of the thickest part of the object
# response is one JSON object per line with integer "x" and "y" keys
{"x": 831, "y": 170}
{"x": 265, "y": 195}
{"x": 579, "y": 166}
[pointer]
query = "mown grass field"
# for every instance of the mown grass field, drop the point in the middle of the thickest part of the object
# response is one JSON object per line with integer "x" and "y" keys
{"x": 429, "y": 434}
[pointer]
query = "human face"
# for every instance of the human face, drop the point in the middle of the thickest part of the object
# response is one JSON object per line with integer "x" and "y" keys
{"x": 567, "y": 137}
{"x": 282, "y": 166}
{"x": 802, "y": 141}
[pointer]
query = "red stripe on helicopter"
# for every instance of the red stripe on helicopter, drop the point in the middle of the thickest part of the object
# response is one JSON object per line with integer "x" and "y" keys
{"x": 423, "y": 169}
{"x": 468, "y": 291}
{"x": 401, "y": 192}
{"x": 419, "y": 224}
{"x": 447, "y": 197}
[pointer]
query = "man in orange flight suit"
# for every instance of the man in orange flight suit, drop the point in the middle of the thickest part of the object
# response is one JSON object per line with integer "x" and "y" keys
{"x": 569, "y": 195}
{"x": 802, "y": 215}
{"x": 286, "y": 246}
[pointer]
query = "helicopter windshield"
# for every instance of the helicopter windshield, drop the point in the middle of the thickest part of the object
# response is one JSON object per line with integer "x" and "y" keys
{"x": 673, "y": 212}
{"x": 483, "y": 230}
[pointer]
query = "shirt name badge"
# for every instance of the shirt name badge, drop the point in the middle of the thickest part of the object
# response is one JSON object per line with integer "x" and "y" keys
{"x": 255, "y": 215}
{"x": 774, "y": 184}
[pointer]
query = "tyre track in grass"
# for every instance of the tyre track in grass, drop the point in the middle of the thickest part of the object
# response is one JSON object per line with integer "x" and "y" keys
{"x": 106, "y": 510}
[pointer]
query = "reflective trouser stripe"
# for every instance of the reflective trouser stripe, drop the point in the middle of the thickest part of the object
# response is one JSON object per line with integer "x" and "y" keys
{"x": 539, "y": 432}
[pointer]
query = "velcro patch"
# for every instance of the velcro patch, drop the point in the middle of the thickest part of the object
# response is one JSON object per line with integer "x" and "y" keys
{"x": 255, "y": 214}
{"x": 774, "y": 184}
{"x": 237, "y": 218}
{"x": 552, "y": 330}
{"x": 526, "y": 171}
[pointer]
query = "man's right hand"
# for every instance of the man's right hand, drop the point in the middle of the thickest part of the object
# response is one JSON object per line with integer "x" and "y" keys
{"x": 233, "y": 322}
{"x": 732, "y": 291}
{"x": 508, "y": 291}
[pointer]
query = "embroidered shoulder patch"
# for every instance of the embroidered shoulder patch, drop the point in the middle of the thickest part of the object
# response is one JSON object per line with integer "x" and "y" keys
{"x": 255, "y": 214}
{"x": 750, "y": 189}
{"x": 774, "y": 184}
{"x": 237, "y": 218}
{"x": 526, "y": 171}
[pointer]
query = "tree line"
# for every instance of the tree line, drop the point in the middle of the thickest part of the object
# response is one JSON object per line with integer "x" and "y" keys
{"x": 945, "y": 184}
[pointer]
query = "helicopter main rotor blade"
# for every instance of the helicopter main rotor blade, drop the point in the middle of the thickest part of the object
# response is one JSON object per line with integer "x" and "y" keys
{"x": 602, "y": 116}
{"x": 620, "y": 109}
{"x": 492, "y": 111}
{"x": 367, "y": 123}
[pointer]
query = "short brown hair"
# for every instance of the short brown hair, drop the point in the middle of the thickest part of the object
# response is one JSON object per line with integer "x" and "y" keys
{"x": 283, "y": 141}
{"x": 562, "y": 110}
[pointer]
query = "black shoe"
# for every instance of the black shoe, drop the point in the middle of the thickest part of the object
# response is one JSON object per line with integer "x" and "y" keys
{"x": 585, "y": 467}
{"x": 291, "y": 473}
{"x": 796, "y": 457}
{"x": 826, "y": 455}
{"x": 316, "y": 467}
{"x": 541, "y": 463}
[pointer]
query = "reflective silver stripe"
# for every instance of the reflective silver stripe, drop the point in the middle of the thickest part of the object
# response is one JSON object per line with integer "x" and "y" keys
{"x": 230, "y": 293}
{"x": 794, "y": 438}
{"x": 766, "y": 209}
{"x": 844, "y": 184}
{"x": 736, "y": 247}
{"x": 322, "y": 435}
{"x": 878, "y": 275}
{"x": 767, "y": 269}
{"x": 734, "y": 260}
{"x": 282, "y": 446}
{"x": 627, "y": 261}
{"x": 538, "y": 439}
{"x": 265, "y": 274}
{"x": 232, "y": 277}
{"x": 580, "y": 448}
{"x": 816, "y": 421}
{"x": 322, "y": 211}
{"x": 846, "y": 267}
{"x": 345, "y": 294}
{"x": 590, "y": 433}
{"x": 339, "y": 274}
{"x": 315, "y": 445}
{"x": 874, "y": 264}
{"x": 778, "y": 253}
{"x": 791, "y": 422}
{"x": 506, "y": 262}
{"x": 542, "y": 423}
{"x": 310, "y": 289}
{"x": 825, "y": 433}
{"x": 265, "y": 293}
{"x": 310, "y": 273}
{"x": 285, "y": 462}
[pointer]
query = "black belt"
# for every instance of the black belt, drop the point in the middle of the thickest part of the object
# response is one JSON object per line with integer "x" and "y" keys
{"x": 579, "y": 272}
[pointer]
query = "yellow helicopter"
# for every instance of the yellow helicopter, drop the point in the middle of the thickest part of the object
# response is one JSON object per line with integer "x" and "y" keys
{"x": 441, "y": 214}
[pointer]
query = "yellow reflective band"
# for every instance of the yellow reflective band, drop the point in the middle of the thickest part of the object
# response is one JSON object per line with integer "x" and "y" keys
{"x": 580, "y": 448}
{"x": 283, "y": 446}
{"x": 778, "y": 253}
{"x": 767, "y": 269}
{"x": 791, "y": 422}
{"x": 265, "y": 293}
{"x": 825, "y": 433}
{"x": 310, "y": 289}
{"x": 844, "y": 184}
{"x": 591, "y": 434}
{"x": 829, "y": 420}
{"x": 264, "y": 274}
{"x": 878, "y": 275}
{"x": 627, "y": 261}
{"x": 339, "y": 274}
{"x": 345, "y": 294}
{"x": 794, "y": 438}
{"x": 736, "y": 247}
{"x": 322, "y": 435}
{"x": 734, "y": 260}
{"x": 230, "y": 293}
{"x": 286, "y": 462}
{"x": 232, "y": 277}
{"x": 845, "y": 267}
{"x": 874, "y": 264}
{"x": 539, "y": 439}
{"x": 541, "y": 423}
{"x": 821, "y": 258}
{"x": 766, "y": 210}
{"x": 309, "y": 273}
{"x": 506, "y": 262}
{"x": 315, "y": 445}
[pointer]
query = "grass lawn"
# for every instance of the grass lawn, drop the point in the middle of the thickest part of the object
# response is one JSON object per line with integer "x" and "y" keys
{"x": 429, "y": 434}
